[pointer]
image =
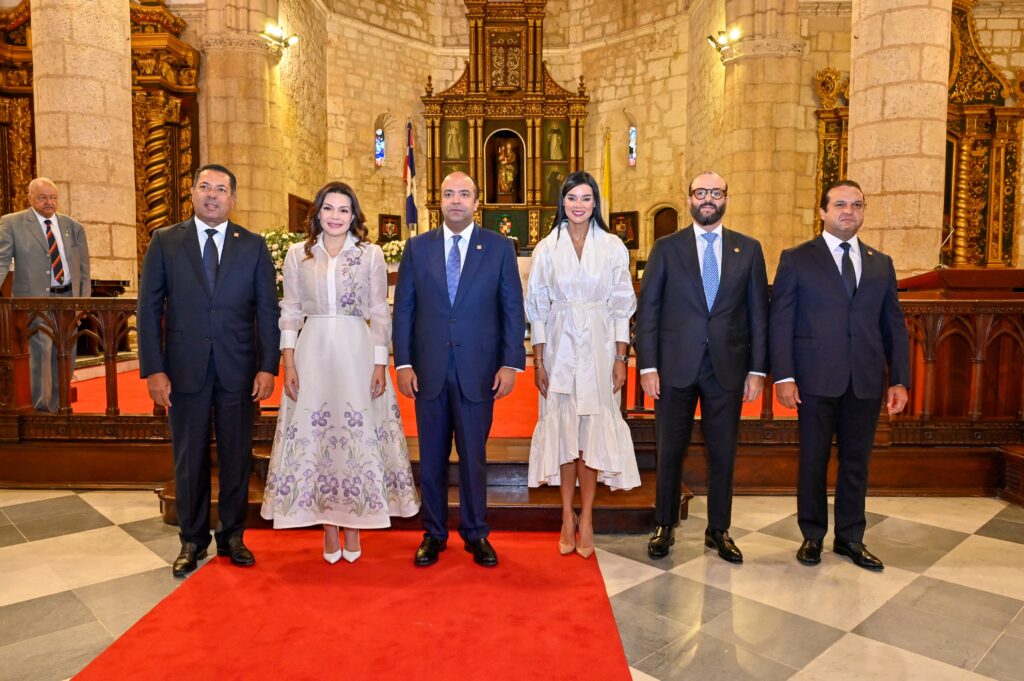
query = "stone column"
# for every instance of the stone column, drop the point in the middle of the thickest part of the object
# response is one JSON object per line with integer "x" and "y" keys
{"x": 899, "y": 70}
{"x": 238, "y": 91}
{"x": 81, "y": 61}
{"x": 762, "y": 119}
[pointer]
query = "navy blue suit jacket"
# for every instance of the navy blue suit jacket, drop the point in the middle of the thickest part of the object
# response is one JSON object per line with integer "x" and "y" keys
{"x": 485, "y": 327}
{"x": 822, "y": 338}
{"x": 237, "y": 321}
{"x": 673, "y": 320}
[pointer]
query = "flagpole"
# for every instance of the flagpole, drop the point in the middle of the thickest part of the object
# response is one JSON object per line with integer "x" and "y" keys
{"x": 409, "y": 176}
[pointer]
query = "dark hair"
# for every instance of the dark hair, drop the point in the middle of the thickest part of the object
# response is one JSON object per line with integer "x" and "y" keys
{"x": 689, "y": 187}
{"x": 575, "y": 180}
{"x": 839, "y": 183}
{"x": 313, "y": 228}
{"x": 216, "y": 167}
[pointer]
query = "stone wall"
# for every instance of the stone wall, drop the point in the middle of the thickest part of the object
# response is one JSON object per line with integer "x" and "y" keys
{"x": 705, "y": 98}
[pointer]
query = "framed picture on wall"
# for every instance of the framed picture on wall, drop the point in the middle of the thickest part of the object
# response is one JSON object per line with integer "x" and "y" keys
{"x": 626, "y": 226}
{"x": 389, "y": 228}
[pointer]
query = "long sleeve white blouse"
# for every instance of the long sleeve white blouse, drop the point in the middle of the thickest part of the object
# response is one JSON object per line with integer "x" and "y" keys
{"x": 353, "y": 283}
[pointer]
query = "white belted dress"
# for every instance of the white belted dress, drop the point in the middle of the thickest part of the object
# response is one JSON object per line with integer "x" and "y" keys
{"x": 579, "y": 308}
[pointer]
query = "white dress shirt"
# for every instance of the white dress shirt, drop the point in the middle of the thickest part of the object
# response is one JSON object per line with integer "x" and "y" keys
{"x": 837, "y": 252}
{"x": 466, "y": 235}
{"x": 218, "y": 238}
{"x": 55, "y": 228}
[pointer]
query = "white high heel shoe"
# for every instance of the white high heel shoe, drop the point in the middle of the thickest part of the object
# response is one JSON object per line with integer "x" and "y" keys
{"x": 351, "y": 556}
{"x": 334, "y": 557}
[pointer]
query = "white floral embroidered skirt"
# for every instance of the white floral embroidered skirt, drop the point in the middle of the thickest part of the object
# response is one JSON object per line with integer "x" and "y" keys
{"x": 339, "y": 457}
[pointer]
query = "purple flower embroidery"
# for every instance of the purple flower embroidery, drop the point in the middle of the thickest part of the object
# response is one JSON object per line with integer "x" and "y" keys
{"x": 348, "y": 299}
{"x": 285, "y": 488}
{"x": 327, "y": 485}
{"x": 355, "y": 419}
{"x": 350, "y": 486}
{"x": 319, "y": 418}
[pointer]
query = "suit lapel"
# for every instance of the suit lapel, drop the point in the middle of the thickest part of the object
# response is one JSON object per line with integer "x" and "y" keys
{"x": 869, "y": 266}
{"x": 227, "y": 258}
{"x": 687, "y": 249}
{"x": 731, "y": 254}
{"x": 436, "y": 261}
{"x": 190, "y": 242}
{"x": 32, "y": 224}
{"x": 827, "y": 263}
{"x": 474, "y": 256}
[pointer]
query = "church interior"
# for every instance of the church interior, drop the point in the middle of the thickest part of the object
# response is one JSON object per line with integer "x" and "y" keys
{"x": 119, "y": 102}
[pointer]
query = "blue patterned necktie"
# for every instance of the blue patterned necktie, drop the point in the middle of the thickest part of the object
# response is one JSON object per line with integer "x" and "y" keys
{"x": 709, "y": 271}
{"x": 454, "y": 268}
{"x": 210, "y": 262}
{"x": 847, "y": 271}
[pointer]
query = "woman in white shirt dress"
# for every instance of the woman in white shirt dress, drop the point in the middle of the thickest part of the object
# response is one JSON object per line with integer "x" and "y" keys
{"x": 579, "y": 301}
{"x": 339, "y": 457}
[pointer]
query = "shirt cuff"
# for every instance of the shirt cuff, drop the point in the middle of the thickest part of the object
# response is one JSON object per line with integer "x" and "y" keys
{"x": 651, "y": 370}
{"x": 622, "y": 330}
{"x": 785, "y": 380}
{"x": 404, "y": 366}
{"x": 537, "y": 332}
{"x": 518, "y": 371}
{"x": 380, "y": 354}
{"x": 288, "y": 338}
{"x": 757, "y": 373}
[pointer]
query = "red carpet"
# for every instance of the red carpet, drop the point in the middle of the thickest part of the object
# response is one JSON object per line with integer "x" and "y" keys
{"x": 538, "y": 615}
{"x": 514, "y": 416}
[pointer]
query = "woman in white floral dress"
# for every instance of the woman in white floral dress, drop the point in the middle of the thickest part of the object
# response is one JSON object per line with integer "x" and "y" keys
{"x": 339, "y": 456}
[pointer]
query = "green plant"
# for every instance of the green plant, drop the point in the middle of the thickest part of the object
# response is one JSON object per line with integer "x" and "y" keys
{"x": 278, "y": 241}
{"x": 393, "y": 251}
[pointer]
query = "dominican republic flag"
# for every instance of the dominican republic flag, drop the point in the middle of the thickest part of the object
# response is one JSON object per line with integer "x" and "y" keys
{"x": 409, "y": 175}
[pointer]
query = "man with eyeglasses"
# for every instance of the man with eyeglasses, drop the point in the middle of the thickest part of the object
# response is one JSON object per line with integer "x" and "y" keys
{"x": 51, "y": 258}
{"x": 702, "y": 324}
{"x": 208, "y": 343}
{"x": 836, "y": 323}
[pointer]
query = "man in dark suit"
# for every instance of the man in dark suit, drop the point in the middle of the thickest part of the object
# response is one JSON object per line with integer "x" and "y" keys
{"x": 51, "y": 258}
{"x": 459, "y": 327}
{"x": 208, "y": 340}
{"x": 702, "y": 325}
{"x": 835, "y": 324}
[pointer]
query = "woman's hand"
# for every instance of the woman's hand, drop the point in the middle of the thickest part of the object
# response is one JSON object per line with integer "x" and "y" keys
{"x": 618, "y": 375}
{"x": 377, "y": 381}
{"x": 291, "y": 383}
{"x": 540, "y": 379}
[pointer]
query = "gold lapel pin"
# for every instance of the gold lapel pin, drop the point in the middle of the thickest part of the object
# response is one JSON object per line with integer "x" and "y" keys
{"x": 479, "y": 247}
{"x": 870, "y": 253}
{"x": 235, "y": 235}
{"x": 736, "y": 250}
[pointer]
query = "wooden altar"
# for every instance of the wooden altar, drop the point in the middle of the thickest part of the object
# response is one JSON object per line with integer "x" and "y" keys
{"x": 506, "y": 122}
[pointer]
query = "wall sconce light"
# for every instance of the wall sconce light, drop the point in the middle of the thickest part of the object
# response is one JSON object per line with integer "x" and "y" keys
{"x": 724, "y": 39}
{"x": 274, "y": 35}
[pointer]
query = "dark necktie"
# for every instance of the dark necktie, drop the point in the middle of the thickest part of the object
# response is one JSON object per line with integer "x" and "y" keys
{"x": 56, "y": 264}
{"x": 210, "y": 262}
{"x": 849, "y": 276}
{"x": 453, "y": 269}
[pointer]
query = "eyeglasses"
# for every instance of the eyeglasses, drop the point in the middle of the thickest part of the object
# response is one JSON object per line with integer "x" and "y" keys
{"x": 701, "y": 194}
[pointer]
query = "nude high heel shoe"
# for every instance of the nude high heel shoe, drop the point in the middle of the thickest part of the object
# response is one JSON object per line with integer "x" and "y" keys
{"x": 585, "y": 551}
{"x": 334, "y": 557}
{"x": 351, "y": 556}
{"x": 566, "y": 549}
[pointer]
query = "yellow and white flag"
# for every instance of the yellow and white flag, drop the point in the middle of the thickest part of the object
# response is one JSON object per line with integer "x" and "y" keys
{"x": 606, "y": 178}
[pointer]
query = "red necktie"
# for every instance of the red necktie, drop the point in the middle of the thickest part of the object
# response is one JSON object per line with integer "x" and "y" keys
{"x": 56, "y": 265}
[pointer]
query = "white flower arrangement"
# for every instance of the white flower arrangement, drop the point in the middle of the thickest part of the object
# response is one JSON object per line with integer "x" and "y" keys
{"x": 393, "y": 251}
{"x": 278, "y": 241}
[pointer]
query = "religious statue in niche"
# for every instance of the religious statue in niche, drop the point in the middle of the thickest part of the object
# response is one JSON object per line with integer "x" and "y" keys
{"x": 453, "y": 141}
{"x": 555, "y": 152}
{"x": 507, "y": 168}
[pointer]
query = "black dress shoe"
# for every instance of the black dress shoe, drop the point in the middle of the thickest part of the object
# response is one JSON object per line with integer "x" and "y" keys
{"x": 187, "y": 560}
{"x": 658, "y": 546}
{"x": 723, "y": 543}
{"x": 240, "y": 554}
{"x": 809, "y": 552}
{"x": 483, "y": 552}
{"x": 426, "y": 554}
{"x": 858, "y": 553}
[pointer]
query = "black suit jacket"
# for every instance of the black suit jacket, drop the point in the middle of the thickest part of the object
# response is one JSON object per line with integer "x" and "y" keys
{"x": 822, "y": 338}
{"x": 237, "y": 321}
{"x": 673, "y": 320}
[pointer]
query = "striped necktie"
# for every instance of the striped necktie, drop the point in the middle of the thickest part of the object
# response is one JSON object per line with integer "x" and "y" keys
{"x": 56, "y": 264}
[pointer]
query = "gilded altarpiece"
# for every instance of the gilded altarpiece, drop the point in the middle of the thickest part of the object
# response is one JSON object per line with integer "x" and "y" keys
{"x": 17, "y": 133}
{"x": 165, "y": 118}
{"x": 506, "y": 122}
{"x": 983, "y": 138}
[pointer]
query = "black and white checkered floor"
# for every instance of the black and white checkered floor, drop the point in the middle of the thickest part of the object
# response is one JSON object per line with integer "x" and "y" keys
{"x": 78, "y": 569}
